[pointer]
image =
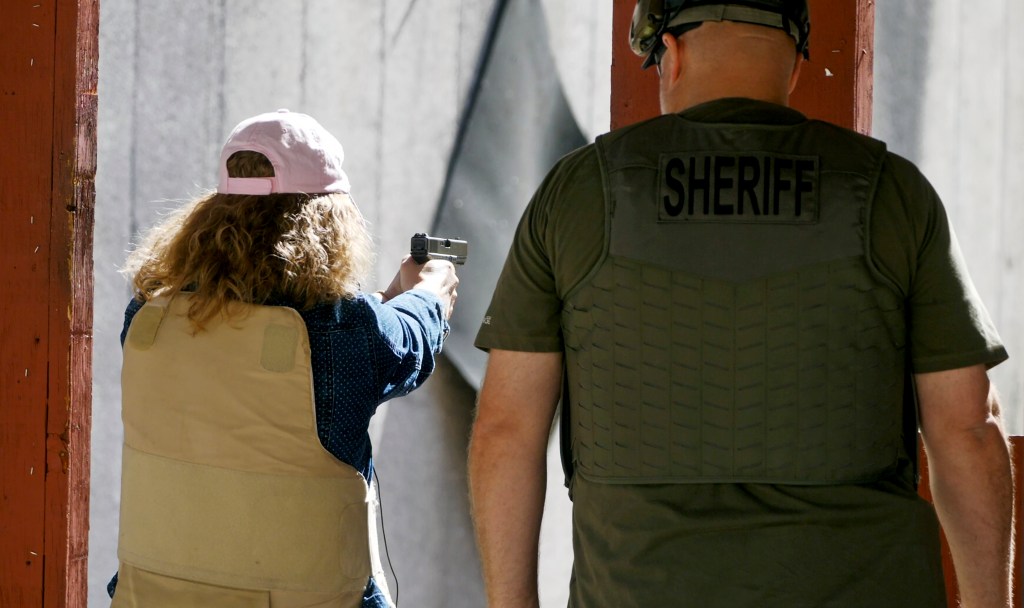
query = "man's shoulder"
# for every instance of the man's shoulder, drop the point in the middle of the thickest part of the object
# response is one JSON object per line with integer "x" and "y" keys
{"x": 902, "y": 178}
{"x": 636, "y": 129}
{"x": 580, "y": 168}
{"x": 583, "y": 158}
{"x": 901, "y": 166}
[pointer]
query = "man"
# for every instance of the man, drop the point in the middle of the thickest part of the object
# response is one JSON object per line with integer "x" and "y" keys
{"x": 753, "y": 312}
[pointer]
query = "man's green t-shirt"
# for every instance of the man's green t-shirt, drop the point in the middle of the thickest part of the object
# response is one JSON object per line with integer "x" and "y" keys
{"x": 750, "y": 544}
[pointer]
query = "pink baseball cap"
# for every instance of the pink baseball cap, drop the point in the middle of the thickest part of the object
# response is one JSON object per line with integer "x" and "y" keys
{"x": 306, "y": 157}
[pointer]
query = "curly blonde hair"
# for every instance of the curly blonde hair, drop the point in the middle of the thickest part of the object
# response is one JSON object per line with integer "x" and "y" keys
{"x": 225, "y": 249}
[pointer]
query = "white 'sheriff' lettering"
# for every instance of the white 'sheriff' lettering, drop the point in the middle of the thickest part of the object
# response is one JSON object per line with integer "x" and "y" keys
{"x": 754, "y": 187}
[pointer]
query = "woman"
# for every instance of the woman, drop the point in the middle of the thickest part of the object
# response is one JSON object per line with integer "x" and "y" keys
{"x": 252, "y": 365}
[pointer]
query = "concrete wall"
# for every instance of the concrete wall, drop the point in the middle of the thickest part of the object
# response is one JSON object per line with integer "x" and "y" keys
{"x": 949, "y": 95}
{"x": 389, "y": 79}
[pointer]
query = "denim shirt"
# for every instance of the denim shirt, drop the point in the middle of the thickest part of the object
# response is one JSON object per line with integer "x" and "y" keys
{"x": 363, "y": 353}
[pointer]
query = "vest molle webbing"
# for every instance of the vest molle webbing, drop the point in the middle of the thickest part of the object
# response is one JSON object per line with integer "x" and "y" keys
{"x": 735, "y": 330}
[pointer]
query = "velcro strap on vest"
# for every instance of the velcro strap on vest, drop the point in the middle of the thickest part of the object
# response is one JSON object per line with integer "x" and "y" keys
{"x": 238, "y": 528}
{"x": 278, "y": 354}
{"x": 145, "y": 324}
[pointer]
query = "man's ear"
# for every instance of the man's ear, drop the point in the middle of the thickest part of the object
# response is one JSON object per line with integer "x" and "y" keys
{"x": 671, "y": 60}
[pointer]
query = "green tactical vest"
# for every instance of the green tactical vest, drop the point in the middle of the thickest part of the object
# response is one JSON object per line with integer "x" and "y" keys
{"x": 736, "y": 329}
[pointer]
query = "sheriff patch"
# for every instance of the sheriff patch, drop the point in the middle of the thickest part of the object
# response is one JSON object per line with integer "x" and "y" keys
{"x": 749, "y": 188}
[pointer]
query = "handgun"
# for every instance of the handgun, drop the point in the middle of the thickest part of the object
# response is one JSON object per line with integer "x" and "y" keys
{"x": 424, "y": 247}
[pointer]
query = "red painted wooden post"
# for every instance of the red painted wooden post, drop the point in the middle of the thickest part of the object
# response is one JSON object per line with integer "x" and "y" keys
{"x": 1017, "y": 568}
{"x": 69, "y": 409}
{"x": 1017, "y": 443}
{"x": 835, "y": 85}
{"x": 26, "y": 122}
{"x": 634, "y": 91}
{"x": 924, "y": 489}
{"x": 48, "y": 55}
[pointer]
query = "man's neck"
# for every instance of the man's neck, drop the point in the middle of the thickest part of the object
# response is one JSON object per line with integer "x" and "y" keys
{"x": 694, "y": 97}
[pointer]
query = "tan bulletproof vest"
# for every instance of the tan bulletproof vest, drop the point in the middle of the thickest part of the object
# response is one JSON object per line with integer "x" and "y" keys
{"x": 736, "y": 329}
{"x": 224, "y": 480}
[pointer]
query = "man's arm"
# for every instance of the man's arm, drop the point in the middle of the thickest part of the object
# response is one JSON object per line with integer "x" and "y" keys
{"x": 507, "y": 470}
{"x": 971, "y": 483}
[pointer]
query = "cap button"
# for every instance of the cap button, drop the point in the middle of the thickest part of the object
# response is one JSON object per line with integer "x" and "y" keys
{"x": 283, "y": 110}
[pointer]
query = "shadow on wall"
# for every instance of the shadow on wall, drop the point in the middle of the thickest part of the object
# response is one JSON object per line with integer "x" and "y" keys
{"x": 422, "y": 476}
{"x": 901, "y": 55}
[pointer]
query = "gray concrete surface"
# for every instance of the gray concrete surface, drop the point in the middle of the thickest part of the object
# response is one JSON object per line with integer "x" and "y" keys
{"x": 948, "y": 95}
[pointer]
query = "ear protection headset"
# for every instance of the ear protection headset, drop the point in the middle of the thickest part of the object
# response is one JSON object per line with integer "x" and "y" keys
{"x": 652, "y": 18}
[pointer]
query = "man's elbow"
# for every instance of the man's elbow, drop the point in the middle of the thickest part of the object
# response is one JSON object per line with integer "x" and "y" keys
{"x": 490, "y": 442}
{"x": 490, "y": 429}
{"x": 988, "y": 429}
{"x": 981, "y": 436}
{"x": 959, "y": 406}
{"x": 506, "y": 435}
{"x": 995, "y": 413}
